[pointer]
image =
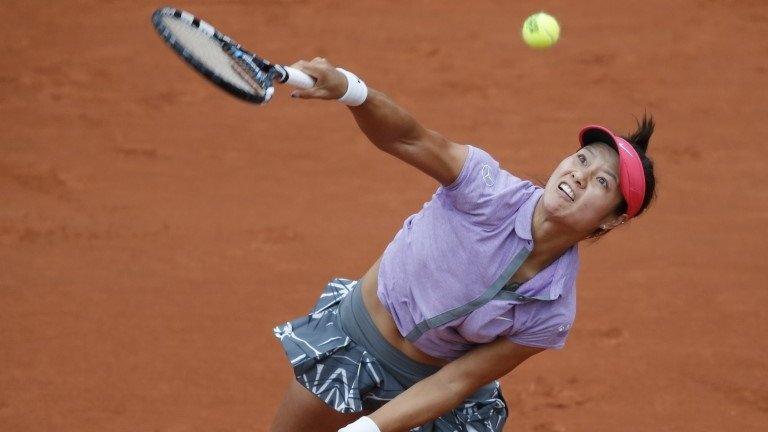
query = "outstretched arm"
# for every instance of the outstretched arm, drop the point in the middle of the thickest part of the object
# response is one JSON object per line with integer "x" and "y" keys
{"x": 388, "y": 126}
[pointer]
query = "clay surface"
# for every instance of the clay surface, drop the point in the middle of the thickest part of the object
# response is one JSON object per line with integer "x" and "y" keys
{"x": 153, "y": 229}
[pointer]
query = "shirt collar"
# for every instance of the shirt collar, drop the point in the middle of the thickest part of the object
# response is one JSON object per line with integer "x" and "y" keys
{"x": 524, "y": 219}
{"x": 551, "y": 281}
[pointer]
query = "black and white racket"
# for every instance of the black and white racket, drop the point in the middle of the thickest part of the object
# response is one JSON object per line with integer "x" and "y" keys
{"x": 222, "y": 60}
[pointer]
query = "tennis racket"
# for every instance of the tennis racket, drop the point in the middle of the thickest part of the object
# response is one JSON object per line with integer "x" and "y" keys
{"x": 222, "y": 60}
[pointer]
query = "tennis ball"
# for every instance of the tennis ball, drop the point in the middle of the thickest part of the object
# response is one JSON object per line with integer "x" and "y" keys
{"x": 540, "y": 30}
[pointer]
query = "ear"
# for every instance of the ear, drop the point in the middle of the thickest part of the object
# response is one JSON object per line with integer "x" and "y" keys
{"x": 612, "y": 222}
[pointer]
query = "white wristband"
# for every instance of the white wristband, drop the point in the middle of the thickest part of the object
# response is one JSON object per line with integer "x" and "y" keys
{"x": 363, "y": 424}
{"x": 357, "y": 91}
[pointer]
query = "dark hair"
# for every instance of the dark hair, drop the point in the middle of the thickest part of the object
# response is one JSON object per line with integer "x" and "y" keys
{"x": 639, "y": 140}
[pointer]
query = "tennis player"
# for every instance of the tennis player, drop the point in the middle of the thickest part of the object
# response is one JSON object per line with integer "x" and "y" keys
{"x": 478, "y": 281}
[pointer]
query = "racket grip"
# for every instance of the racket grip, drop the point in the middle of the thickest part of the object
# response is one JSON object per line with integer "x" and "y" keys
{"x": 298, "y": 78}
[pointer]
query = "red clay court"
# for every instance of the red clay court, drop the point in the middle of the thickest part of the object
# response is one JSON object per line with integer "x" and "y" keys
{"x": 153, "y": 229}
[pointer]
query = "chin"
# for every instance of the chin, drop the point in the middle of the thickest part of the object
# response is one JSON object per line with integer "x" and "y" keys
{"x": 553, "y": 202}
{"x": 563, "y": 212}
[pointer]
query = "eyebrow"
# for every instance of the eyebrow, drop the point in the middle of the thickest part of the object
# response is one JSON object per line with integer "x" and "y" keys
{"x": 613, "y": 176}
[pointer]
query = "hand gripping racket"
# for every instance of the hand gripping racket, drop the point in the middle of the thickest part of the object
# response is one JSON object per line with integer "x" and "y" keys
{"x": 222, "y": 60}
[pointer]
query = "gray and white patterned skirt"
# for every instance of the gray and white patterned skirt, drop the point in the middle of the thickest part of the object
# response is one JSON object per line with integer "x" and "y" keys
{"x": 338, "y": 354}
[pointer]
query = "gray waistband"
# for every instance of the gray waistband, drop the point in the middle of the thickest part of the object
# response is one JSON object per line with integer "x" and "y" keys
{"x": 358, "y": 325}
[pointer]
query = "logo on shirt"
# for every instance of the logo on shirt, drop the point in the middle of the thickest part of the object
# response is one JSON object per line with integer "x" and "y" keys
{"x": 486, "y": 171}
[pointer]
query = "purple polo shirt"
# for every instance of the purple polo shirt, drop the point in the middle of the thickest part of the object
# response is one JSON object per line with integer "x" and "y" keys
{"x": 460, "y": 242}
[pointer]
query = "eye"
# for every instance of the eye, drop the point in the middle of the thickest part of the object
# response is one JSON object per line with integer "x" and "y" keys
{"x": 582, "y": 159}
{"x": 603, "y": 181}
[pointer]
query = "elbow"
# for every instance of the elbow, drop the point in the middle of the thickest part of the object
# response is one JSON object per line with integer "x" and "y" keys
{"x": 384, "y": 144}
{"x": 407, "y": 142}
{"x": 395, "y": 146}
{"x": 458, "y": 389}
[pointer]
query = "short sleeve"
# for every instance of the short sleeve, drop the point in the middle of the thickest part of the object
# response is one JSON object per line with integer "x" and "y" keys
{"x": 484, "y": 191}
{"x": 550, "y": 337}
{"x": 534, "y": 326}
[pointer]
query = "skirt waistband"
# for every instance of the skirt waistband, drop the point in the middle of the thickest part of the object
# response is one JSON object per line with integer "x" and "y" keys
{"x": 356, "y": 322}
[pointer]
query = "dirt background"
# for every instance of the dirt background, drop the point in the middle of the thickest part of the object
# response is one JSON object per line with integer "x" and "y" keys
{"x": 153, "y": 230}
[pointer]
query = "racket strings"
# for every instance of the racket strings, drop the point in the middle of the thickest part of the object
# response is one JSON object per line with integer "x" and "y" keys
{"x": 247, "y": 73}
{"x": 213, "y": 56}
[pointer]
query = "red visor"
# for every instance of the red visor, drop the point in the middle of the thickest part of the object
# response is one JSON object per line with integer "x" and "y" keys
{"x": 631, "y": 174}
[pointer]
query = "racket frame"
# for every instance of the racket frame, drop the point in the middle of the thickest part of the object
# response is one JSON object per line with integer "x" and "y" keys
{"x": 254, "y": 68}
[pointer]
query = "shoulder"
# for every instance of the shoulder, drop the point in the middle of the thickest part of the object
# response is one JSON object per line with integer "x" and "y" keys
{"x": 478, "y": 165}
{"x": 551, "y": 314}
{"x": 562, "y": 290}
{"x": 547, "y": 324}
{"x": 485, "y": 190}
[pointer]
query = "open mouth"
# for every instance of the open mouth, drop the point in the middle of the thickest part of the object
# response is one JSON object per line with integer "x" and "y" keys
{"x": 567, "y": 190}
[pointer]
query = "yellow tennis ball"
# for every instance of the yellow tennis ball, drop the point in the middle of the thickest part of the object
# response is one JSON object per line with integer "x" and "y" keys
{"x": 540, "y": 30}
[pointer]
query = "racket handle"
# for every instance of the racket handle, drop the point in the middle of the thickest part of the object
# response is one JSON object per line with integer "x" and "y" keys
{"x": 298, "y": 78}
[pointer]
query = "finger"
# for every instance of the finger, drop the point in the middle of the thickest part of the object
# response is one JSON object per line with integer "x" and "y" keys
{"x": 315, "y": 68}
{"x": 307, "y": 68}
{"x": 319, "y": 60}
{"x": 298, "y": 64}
{"x": 313, "y": 93}
{"x": 305, "y": 94}
{"x": 310, "y": 64}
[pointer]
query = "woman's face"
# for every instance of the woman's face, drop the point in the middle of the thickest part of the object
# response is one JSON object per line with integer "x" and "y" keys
{"x": 583, "y": 191}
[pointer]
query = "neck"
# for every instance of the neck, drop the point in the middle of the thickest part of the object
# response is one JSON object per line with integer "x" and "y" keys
{"x": 551, "y": 238}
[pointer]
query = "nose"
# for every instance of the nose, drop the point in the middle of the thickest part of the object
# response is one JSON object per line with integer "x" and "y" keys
{"x": 578, "y": 177}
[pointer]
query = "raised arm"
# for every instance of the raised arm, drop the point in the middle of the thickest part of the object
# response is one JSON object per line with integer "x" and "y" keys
{"x": 388, "y": 126}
